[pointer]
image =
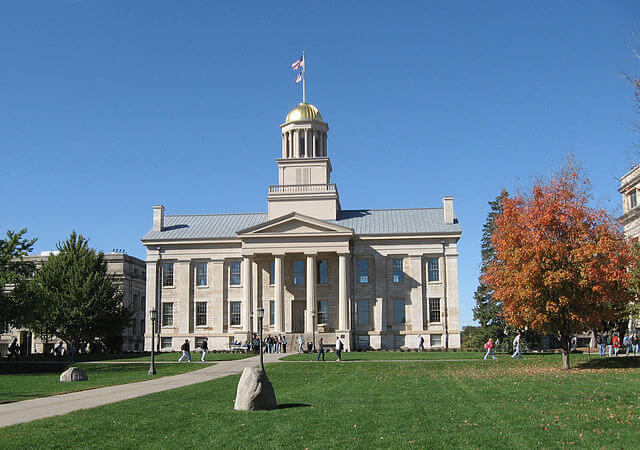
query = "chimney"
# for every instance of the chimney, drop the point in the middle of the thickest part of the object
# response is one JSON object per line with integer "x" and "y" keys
{"x": 447, "y": 203}
{"x": 158, "y": 217}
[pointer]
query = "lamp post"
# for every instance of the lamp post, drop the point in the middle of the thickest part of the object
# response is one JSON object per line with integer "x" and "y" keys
{"x": 313, "y": 329}
{"x": 260, "y": 317}
{"x": 153, "y": 315}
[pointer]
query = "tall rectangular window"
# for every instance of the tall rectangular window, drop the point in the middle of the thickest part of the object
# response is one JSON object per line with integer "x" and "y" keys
{"x": 433, "y": 267}
{"x": 436, "y": 340}
{"x": 235, "y": 313}
{"x": 201, "y": 313}
{"x": 399, "y": 340}
{"x": 323, "y": 312}
{"x": 322, "y": 272}
{"x": 167, "y": 314}
{"x": 398, "y": 272}
{"x": 201, "y": 274}
{"x": 235, "y": 273}
{"x": 272, "y": 312}
{"x": 141, "y": 326}
{"x": 363, "y": 341}
{"x": 167, "y": 275}
{"x": 434, "y": 310}
{"x": 363, "y": 312}
{"x": 633, "y": 199}
{"x": 398, "y": 311}
{"x": 298, "y": 272}
{"x": 363, "y": 271}
{"x": 272, "y": 272}
{"x": 165, "y": 343}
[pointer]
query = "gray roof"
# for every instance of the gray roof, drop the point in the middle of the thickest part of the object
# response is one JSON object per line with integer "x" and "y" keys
{"x": 362, "y": 221}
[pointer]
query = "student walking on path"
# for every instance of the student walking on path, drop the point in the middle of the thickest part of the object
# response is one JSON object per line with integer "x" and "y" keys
{"x": 609, "y": 343}
{"x": 489, "y": 348}
{"x": 421, "y": 343}
{"x": 339, "y": 346}
{"x": 205, "y": 348}
{"x": 516, "y": 345}
{"x": 186, "y": 351}
{"x": 634, "y": 343}
{"x": 320, "y": 349}
{"x": 616, "y": 344}
{"x": 300, "y": 343}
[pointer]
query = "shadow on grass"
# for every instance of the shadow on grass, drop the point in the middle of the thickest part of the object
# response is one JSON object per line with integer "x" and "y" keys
{"x": 620, "y": 362}
{"x": 18, "y": 367}
{"x": 292, "y": 405}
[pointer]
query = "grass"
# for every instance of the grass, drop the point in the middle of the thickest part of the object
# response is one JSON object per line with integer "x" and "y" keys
{"x": 486, "y": 404}
{"x": 20, "y": 381}
{"x": 135, "y": 357}
{"x": 386, "y": 355}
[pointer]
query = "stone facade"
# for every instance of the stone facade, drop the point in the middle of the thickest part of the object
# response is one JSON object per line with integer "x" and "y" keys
{"x": 630, "y": 191}
{"x": 376, "y": 278}
{"x": 129, "y": 272}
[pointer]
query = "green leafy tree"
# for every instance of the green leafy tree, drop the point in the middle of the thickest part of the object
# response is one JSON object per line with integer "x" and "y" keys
{"x": 488, "y": 311}
{"x": 14, "y": 273}
{"x": 76, "y": 298}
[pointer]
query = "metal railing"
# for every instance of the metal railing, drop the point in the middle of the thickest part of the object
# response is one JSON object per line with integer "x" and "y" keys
{"x": 286, "y": 188}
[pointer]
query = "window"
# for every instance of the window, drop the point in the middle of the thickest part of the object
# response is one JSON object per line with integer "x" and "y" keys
{"x": 167, "y": 275}
{"x": 323, "y": 312}
{"x": 436, "y": 340}
{"x": 363, "y": 312}
{"x": 201, "y": 274}
{"x": 201, "y": 314}
{"x": 363, "y": 271}
{"x": 272, "y": 312}
{"x": 165, "y": 342}
{"x": 322, "y": 272}
{"x": 398, "y": 311}
{"x": 235, "y": 274}
{"x": 197, "y": 342}
{"x": 363, "y": 341}
{"x": 433, "y": 269}
{"x": 143, "y": 302}
{"x": 398, "y": 340}
{"x": 167, "y": 314}
{"x": 434, "y": 310}
{"x": 633, "y": 200}
{"x": 398, "y": 273}
{"x": 272, "y": 272}
{"x": 235, "y": 313}
{"x": 298, "y": 272}
{"x": 134, "y": 302}
{"x": 141, "y": 326}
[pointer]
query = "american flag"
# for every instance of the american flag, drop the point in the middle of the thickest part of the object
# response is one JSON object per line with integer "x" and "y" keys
{"x": 299, "y": 78}
{"x": 298, "y": 64}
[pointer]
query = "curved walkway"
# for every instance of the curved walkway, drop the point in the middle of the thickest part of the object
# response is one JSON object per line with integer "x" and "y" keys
{"x": 55, "y": 405}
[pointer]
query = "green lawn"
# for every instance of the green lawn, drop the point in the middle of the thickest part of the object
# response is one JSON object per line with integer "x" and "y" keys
{"x": 486, "y": 404}
{"x": 137, "y": 356}
{"x": 386, "y": 355}
{"x": 29, "y": 380}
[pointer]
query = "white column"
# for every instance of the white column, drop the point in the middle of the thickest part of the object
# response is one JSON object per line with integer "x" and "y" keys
{"x": 289, "y": 146}
{"x": 306, "y": 143}
{"x": 380, "y": 283}
{"x": 314, "y": 140}
{"x": 415, "y": 278}
{"x": 343, "y": 306}
{"x": 278, "y": 295}
{"x": 311, "y": 293}
{"x": 246, "y": 292}
{"x": 151, "y": 301}
{"x": 296, "y": 143}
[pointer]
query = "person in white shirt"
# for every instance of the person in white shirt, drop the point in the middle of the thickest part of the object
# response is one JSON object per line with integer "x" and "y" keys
{"x": 339, "y": 347}
{"x": 300, "y": 342}
{"x": 516, "y": 345}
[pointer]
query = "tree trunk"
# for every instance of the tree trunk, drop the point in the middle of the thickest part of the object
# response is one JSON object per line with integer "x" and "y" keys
{"x": 565, "y": 343}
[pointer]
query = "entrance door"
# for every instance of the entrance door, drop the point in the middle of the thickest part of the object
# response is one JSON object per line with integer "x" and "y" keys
{"x": 297, "y": 309}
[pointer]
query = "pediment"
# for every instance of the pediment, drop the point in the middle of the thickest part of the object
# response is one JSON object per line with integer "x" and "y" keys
{"x": 294, "y": 224}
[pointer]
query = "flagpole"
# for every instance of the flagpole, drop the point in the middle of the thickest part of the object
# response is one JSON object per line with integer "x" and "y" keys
{"x": 304, "y": 76}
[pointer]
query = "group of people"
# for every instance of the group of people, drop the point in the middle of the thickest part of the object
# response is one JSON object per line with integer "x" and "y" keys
{"x": 517, "y": 349}
{"x": 610, "y": 343}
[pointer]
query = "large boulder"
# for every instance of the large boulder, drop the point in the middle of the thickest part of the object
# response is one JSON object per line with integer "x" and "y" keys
{"x": 255, "y": 391}
{"x": 74, "y": 374}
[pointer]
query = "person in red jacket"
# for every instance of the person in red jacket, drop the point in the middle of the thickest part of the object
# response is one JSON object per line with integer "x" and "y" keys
{"x": 489, "y": 348}
{"x": 616, "y": 343}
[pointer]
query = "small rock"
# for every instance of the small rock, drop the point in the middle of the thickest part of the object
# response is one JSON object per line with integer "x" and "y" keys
{"x": 255, "y": 391}
{"x": 74, "y": 374}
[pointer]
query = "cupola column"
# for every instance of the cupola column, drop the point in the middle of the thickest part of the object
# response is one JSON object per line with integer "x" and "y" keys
{"x": 307, "y": 153}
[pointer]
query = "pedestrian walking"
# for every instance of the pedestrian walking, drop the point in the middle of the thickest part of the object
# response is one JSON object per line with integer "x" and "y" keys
{"x": 421, "y": 343}
{"x": 284, "y": 344}
{"x": 616, "y": 344}
{"x": 489, "y": 348}
{"x": 634, "y": 343}
{"x": 339, "y": 347}
{"x": 205, "y": 348}
{"x": 14, "y": 350}
{"x": 609, "y": 344}
{"x": 516, "y": 345}
{"x": 186, "y": 351}
{"x": 320, "y": 349}
{"x": 300, "y": 344}
{"x": 574, "y": 343}
{"x": 602, "y": 342}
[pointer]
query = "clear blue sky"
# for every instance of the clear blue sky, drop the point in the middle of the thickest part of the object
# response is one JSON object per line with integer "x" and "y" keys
{"x": 107, "y": 108}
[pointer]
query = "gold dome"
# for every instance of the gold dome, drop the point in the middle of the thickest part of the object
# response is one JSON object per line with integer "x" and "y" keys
{"x": 304, "y": 111}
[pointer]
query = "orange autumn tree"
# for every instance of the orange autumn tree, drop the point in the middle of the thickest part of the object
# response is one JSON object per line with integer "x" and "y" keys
{"x": 560, "y": 264}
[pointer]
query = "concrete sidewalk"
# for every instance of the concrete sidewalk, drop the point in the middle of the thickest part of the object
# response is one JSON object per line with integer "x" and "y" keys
{"x": 55, "y": 405}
